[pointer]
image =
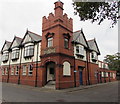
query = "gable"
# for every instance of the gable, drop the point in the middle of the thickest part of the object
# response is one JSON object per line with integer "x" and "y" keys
{"x": 5, "y": 47}
{"x": 27, "y": 39}
{"x": 14, "y": 44}
{"x": 81, "y": 40}
{"x": 95, "y": 47}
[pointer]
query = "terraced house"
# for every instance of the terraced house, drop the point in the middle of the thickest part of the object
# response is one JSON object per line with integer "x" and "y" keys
{"x": 60, "y": 56}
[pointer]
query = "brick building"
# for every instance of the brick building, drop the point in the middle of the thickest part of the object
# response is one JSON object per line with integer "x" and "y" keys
{"x": 60, "y": 56}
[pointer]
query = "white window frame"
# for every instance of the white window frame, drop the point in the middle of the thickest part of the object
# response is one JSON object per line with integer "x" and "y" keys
{"x": 106, "y": 74}
{"x": 12, "y": 71}
{"x": 17, "y": 71}
{"x": 15, "y": 54}
{"x": 102, "y": 74}
{"x": 29, "y": 51}
{"x": 24, "y": 70}
{"x": 30, "y": 70}
{"x": 50, "y": 42}
{"x": 81, "y": 49}
{"x": 5, "y": 56}
{"x": 3, "y": 71}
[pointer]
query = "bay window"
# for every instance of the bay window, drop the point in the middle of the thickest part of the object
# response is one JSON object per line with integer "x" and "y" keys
{"x": 15, "y": 54}
{"x": 29, "y": 51}
{"x": 80, "y": 50}
{"x": 5, "y": 57}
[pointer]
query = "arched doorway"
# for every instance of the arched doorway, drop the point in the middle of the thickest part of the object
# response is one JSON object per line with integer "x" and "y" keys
{"x": 50, "y": 72}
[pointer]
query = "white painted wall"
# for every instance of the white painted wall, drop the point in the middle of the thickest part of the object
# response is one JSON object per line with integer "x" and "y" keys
{"x": 84, "y": 59}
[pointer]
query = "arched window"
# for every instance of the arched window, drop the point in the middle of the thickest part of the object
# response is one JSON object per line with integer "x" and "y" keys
{"x": 66, "y": 69}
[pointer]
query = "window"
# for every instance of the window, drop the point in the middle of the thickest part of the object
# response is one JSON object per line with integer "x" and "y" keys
{"x": 102, "y": 74}
{"x": 106, "y": 74}
{"x": 12, "y": 71}
{"x": 15, "y": 54}
{"x": 77, "y": 49}
{"x": 5, "y": 57}
{"x": 30, "y": 70}
{"x": 24, "y": 70}
{"x": 6, "y": 71}
{"x": 66, "y": 69}
{"x": 50, "y": 42}
{"x": 66, "y": 43}
{"x": 17, "y": 70}
{"x": 114, "y": 75}
{"x": 29, "y": 51}
{"x": 111, "y": 74}
{"x": 3, "y": 72}
{"x": 92, "y": 55}
{"x": 80, "y": 50}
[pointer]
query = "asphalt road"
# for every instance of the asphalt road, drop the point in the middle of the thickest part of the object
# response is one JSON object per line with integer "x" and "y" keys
{"x": 101, "y": 93}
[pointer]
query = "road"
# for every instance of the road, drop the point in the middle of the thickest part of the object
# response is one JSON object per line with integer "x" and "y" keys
{"x": 18, "y": 93}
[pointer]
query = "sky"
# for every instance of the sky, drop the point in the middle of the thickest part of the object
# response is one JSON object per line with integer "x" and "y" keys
{"x": 16, "y": 16}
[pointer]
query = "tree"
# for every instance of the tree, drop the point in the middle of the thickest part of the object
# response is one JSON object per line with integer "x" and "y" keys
{"x": 97, "y": 11}
{"x": 113, "y": 61}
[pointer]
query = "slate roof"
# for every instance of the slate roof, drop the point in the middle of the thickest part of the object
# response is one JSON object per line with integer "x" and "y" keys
{"x": 34, "y": 36}
{"x": 79, "y": 34}
{"x": 18, "y": 40}
{"x": 92, "y": 46}
{"x": 8, "y": 45}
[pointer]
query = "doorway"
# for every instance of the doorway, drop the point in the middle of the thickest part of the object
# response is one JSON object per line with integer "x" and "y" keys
{"x": 50, "y": 72}
{"x": 81, "y": 74}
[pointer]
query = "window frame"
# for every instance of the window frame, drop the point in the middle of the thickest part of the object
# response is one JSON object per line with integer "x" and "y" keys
{"x": 66, "y": 43}
{"x": 24, "y": 70}
{"x": 5, "y": 56}
{"x": 12, "y": 71}
{"x": 6, "y": 71}
{"x": 15, "y": 54}
{"x": 29, "y": 70}
{"x": 50, "y": 42}
{"x": 28, "y": 50}
{"x": 17, "y": 70}
{"x": 3, "y": 71}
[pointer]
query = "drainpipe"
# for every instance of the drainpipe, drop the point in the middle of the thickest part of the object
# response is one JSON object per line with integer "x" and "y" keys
{"x": 9, "y": 68}
{"x": 74, "y": 74}
{"x": 87, "y": 68}
{"x": 20, "y": 66}
{"x": 37, "y": 65}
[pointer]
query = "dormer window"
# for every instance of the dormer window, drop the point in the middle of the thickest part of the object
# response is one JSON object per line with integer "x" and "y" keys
{"x": 66, "y": 43}
{"x": 29, "y": 51}
{"x": 5, "y": 57}
{"x": 15, "y": 54}
{"x": 50, "y": 42}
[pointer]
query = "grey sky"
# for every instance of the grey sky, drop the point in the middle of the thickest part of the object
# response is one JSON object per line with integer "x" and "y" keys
{"x": 18, "y": 15}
